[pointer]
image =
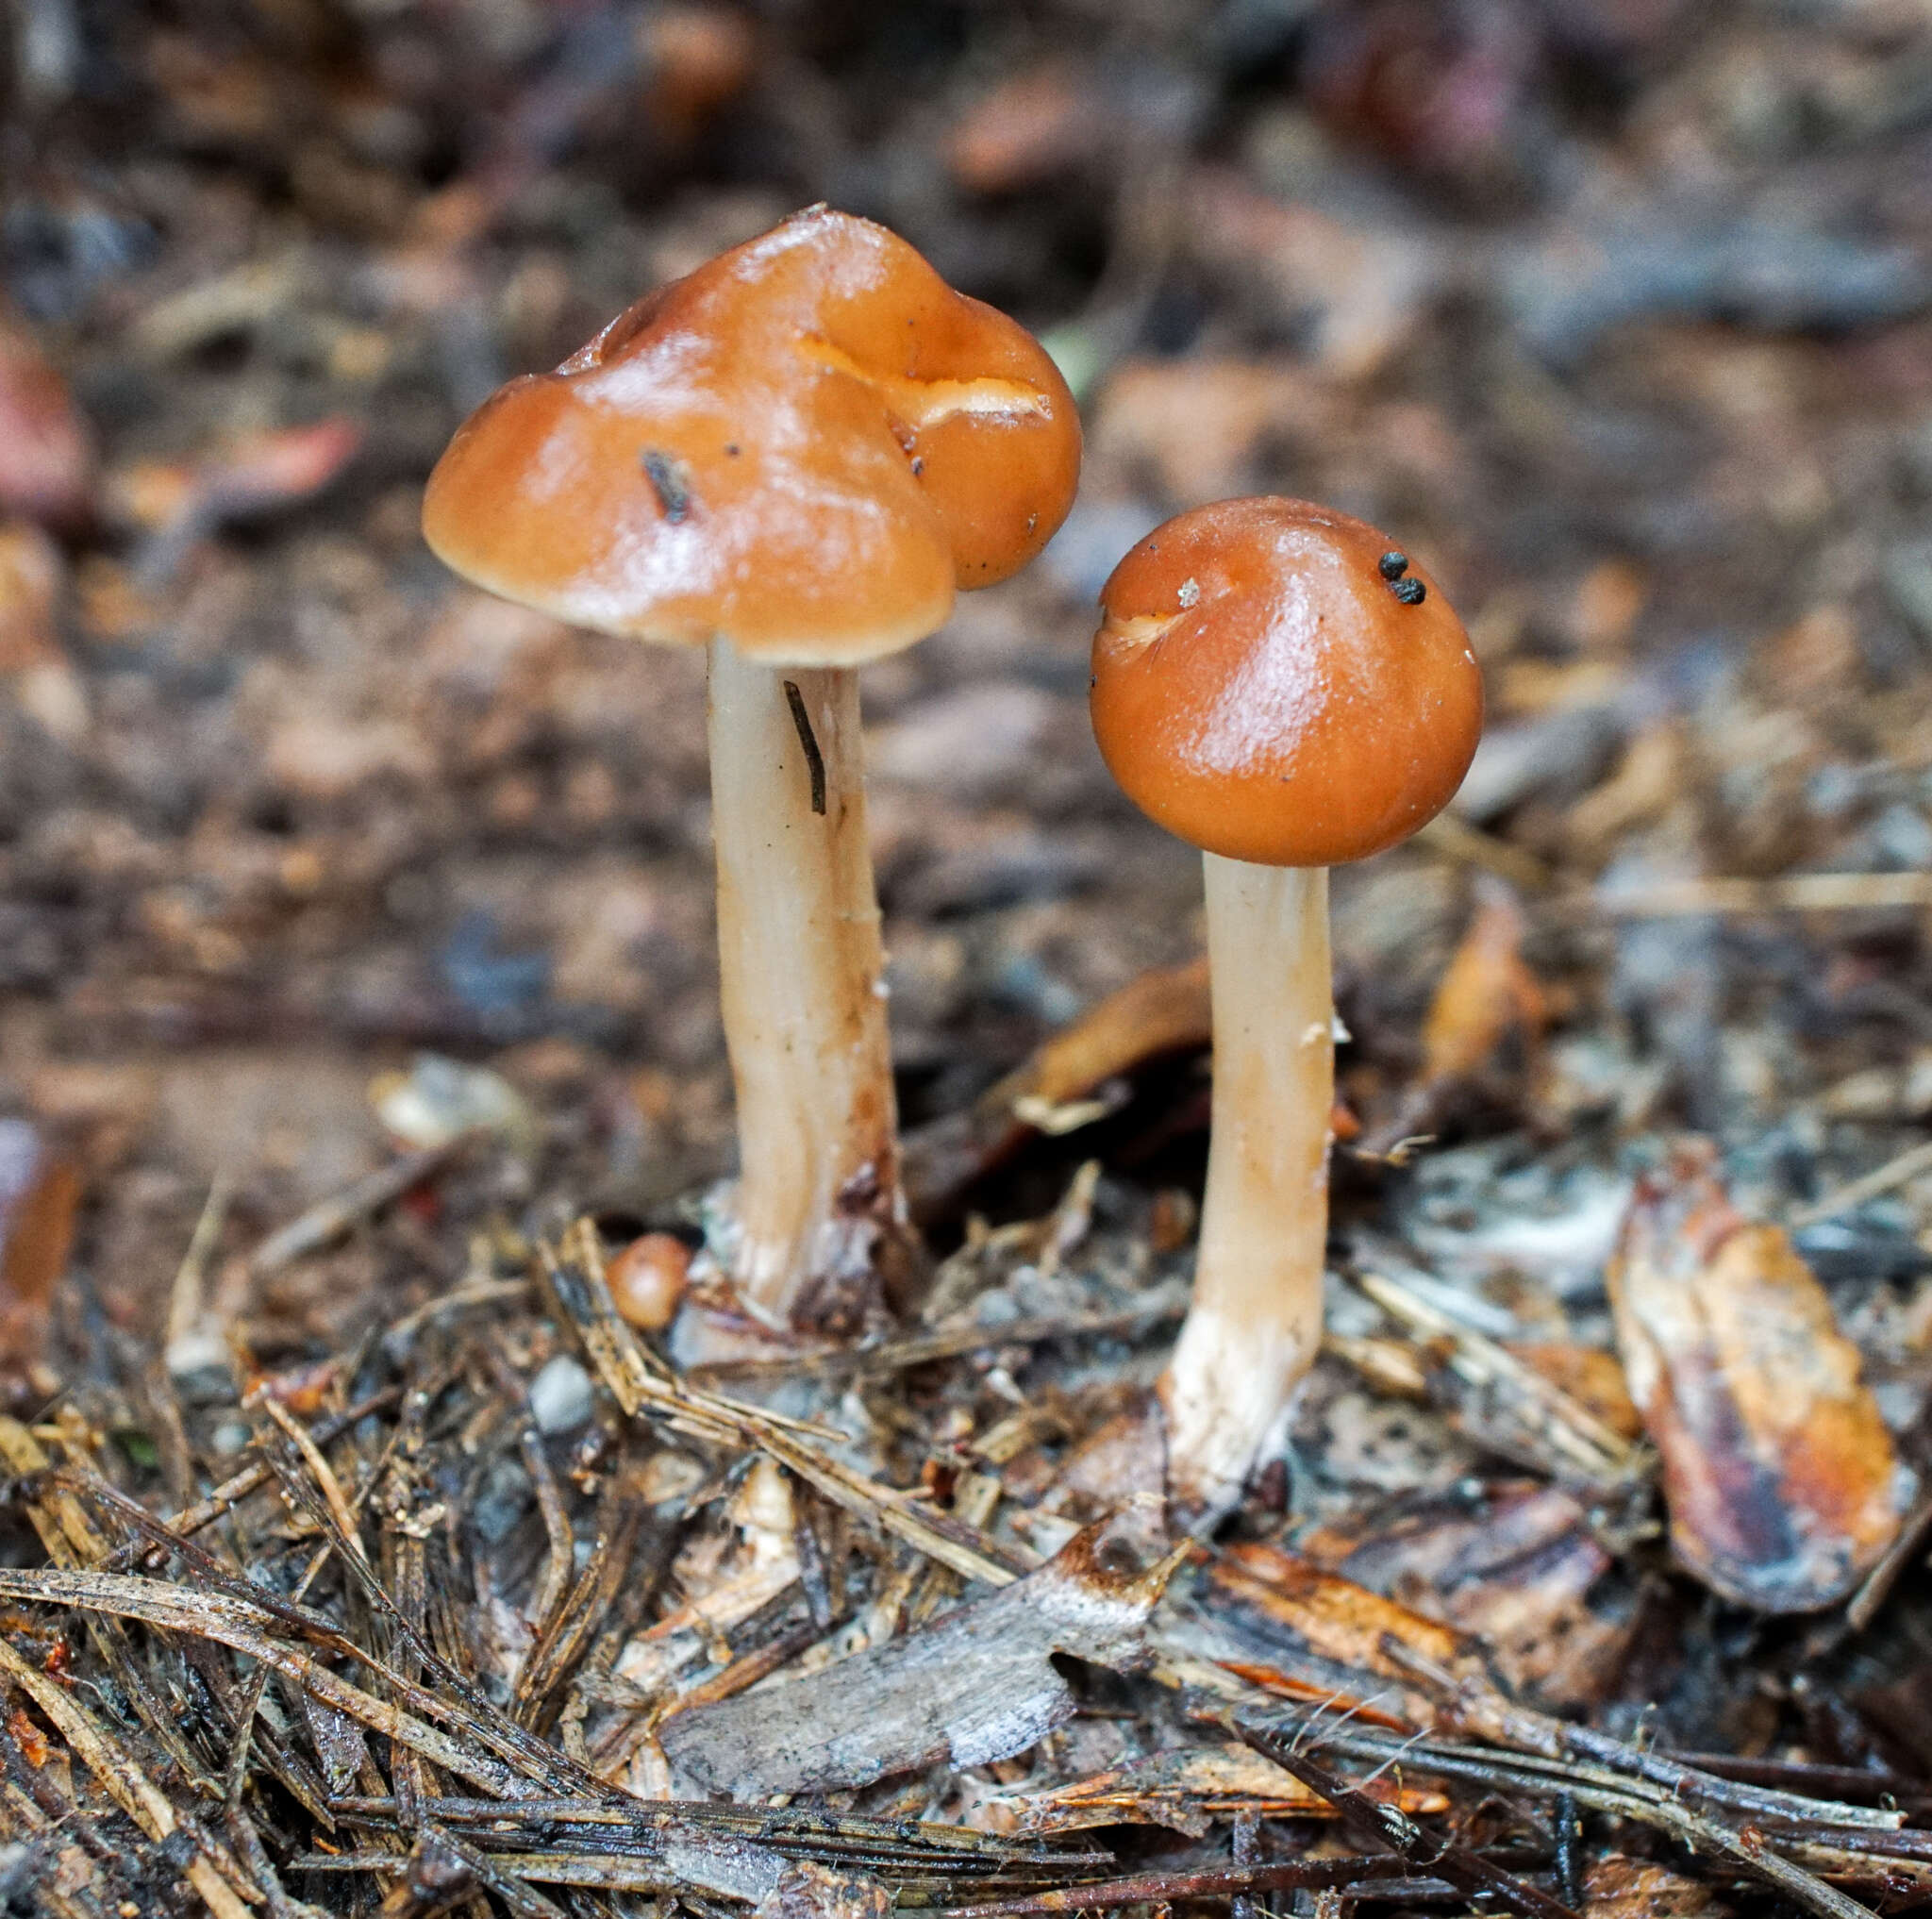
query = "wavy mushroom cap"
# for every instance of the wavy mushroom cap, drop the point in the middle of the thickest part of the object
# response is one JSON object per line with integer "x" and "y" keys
{"x": 804, "y": 448}
{"x": 1271, "y": 685}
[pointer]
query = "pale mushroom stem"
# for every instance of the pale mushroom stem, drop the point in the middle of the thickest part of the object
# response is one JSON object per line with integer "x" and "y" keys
{"x": 1256, "y": 1320}
{"x": 802, "y": 977}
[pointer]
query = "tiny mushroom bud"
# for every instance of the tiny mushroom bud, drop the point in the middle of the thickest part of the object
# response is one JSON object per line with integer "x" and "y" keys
{"x": 647, "y": 1281}
{"x": 794, "y": 456}
{"x": 1259, "y": 689}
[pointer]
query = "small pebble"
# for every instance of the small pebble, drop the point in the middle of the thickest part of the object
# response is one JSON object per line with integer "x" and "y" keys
{"x": 228, "y": 1439}
{"x": 647, "y": 1281}
{"x": 501, "y": 1498}
{"x": 560, "y": 1397}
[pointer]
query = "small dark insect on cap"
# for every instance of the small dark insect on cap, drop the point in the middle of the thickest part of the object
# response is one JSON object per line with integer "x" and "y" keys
{"x": 1392, "y": 565}
{"x": 1411, "y": 593}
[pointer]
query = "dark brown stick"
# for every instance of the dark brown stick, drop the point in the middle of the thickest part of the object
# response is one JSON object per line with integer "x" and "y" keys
{"x": 1153, "y": 1888}
{"x": 1384, "y": 1824}
{"x": 814, "y": 759}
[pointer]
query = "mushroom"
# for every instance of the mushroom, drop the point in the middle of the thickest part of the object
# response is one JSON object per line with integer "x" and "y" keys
{"x": 1277, "y": 686}
{"x": 793, "y": 457}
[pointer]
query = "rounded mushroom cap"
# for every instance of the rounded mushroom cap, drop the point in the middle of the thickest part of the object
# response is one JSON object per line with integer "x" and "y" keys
{"x": 805, "y": 447}
{"x": 1275, "y": 683}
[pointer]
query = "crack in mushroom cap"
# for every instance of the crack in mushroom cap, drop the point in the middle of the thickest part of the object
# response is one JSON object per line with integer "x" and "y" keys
{"x": 1260, "y": 691}
{"x": 805, "y": 447}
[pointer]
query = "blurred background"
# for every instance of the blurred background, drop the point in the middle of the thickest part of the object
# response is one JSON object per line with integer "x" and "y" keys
{"x": 1619, "y": 311}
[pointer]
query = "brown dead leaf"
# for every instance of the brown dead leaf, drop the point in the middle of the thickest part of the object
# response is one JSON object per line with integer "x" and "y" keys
{"x": 1306, "y": 1693}
{"x": 1164, "y": 1010}
{"x": 1780, "y": 1476}
{"x": 1198, "y": 424}
{"x": 1342, "y": 1627}
{"x": 1653, "y": 776}
{"x": 1588, "y": 1375}
{"x": 1606, "y": 603}
{"x": 1815, "y": 655}
{"x": 1364, "y": 289}
{"x": 1488, "y": 997}
{"x": 99, "y": 1109}
{"x": 39, "y": 677}
{"x": 698, "y": 57}
{"x": 1025, "y": 130}
{"x": 1515, "y": 1570}
{"x": 177, "y": 503}
{"x": 46, "y": 453}
{"x": 30, "y": 575}
{"x": 1616, "y": 1886}
{"x": 277, "y": 468}
{"x": 223, "y": 99}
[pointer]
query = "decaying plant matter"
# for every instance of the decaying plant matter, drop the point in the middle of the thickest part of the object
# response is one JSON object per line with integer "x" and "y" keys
{"x": 497, "y": 1604}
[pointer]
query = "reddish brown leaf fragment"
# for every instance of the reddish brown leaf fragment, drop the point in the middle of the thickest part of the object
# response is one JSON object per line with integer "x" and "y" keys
{"x": 1339, "y": 1636}
{"x": 31, "y": 571}
{"x": 1487, "y": 999}
{"x": 1588, "y": 1375}
{"x": 1616, "y": 1886}
{"x": 1273, "y": 1679}
{"x": 1781, "y": 1479}
{"x": 46, "y": 454}
{"x": 699, "y": 58}
{"x": 27, "y": 1736}
{"x": 1026, "y": 129}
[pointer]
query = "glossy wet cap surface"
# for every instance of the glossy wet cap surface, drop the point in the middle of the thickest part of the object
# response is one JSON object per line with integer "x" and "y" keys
{"x": 806, "y": 446}
{"x": 1279, "y": 682}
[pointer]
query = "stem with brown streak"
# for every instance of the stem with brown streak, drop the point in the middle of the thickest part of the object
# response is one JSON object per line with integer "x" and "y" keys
{"x": 802, "y": 985}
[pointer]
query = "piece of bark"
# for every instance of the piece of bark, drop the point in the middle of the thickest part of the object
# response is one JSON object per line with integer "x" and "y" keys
{"x": 1339, "y": 1634}
{"x": 976, "y": 1686}
{"x": 47, "y": 452}
{"x": 1518, "y": 1571}
{"x": 1781, "y": 1479}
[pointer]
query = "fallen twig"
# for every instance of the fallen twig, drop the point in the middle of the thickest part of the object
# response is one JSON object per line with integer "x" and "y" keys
{"x": 1896, "y": 1172}
{"x": 1390, "y": 1826}
{"x": 574, "y": 1275}
{"x": 1598, "y": 1788}
{"x": 1802, "y": 892}
{"x": 309, "y": 1232}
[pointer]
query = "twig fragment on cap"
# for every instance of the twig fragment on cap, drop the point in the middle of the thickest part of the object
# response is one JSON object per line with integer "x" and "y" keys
{"x": 668, "y": 482}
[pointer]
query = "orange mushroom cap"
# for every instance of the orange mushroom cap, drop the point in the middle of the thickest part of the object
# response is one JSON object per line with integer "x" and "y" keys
{"x": 805, "y": 447}
{"x": 1269, "y": 685}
